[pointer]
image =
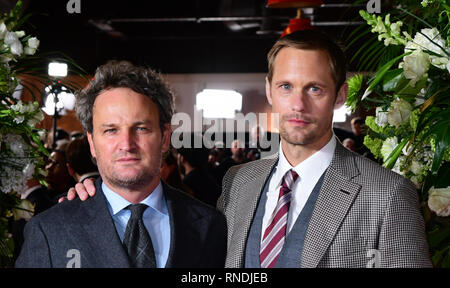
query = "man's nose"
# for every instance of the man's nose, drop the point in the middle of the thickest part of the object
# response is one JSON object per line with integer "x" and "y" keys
{"x": 127, "y": 140}
{"x": 298, "y": 100}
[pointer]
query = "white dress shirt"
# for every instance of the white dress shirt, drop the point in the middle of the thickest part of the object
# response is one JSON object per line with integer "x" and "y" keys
{"x": 309, "y": 172}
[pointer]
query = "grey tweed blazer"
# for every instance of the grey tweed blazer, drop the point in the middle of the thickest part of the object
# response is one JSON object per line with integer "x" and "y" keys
{"x": 365, "y": 215}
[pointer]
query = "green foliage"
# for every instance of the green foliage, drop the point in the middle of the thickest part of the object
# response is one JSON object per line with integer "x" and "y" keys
{"x": 374, "y": 146}
{"x": 354, "y": 90}
{"x": 414, "y": 140}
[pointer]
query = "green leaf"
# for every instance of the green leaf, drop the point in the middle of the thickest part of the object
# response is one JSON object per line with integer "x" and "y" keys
{"x": 408, "y": 90}
{"x": 392, "y": 158}
{"x": 377, "y": 77}
{"x": 391, "y": 79}
{"x": 442, "y": 142}
{"x": 354, "y": 91}
{"x": 417, "y": 18}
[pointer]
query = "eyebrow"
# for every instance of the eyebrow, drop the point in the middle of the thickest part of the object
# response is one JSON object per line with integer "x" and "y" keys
{"x": 106, "y": 125}
{"x": 307, "y": 84}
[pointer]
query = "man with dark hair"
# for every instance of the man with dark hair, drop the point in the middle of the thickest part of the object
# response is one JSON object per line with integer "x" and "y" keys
{"x": 79, "y": 161}
{"x": 58, "y": 177}
{"x": 134, "y": 219}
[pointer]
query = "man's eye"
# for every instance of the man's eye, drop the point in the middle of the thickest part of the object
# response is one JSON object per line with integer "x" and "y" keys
{"x": 142, "y": 129}
{"x": 110, "y": 131}
{"x": 285, "y": 86}
{"x": 315, "y": 89}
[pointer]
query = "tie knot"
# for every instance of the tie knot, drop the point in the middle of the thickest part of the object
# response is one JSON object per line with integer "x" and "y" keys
{"x": 289, "y": 179}
{"x": 137, "y": 210}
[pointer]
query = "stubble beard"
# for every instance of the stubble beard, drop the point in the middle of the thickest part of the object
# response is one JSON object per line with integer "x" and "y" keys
{"x": 142, "y": 179}
{"x": 295, "y": 135}
{"x": 300, "y": 136}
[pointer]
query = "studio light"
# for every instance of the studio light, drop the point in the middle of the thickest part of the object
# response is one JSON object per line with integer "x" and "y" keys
{"x": 217, "y": 103}
{"x": 56, "y": 69}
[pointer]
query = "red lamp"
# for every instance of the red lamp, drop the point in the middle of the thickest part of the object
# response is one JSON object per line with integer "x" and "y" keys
{"x": 297, "y": 23}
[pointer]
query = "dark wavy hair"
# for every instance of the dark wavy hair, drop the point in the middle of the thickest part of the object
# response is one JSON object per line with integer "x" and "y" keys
{"x": 123, "y": 74}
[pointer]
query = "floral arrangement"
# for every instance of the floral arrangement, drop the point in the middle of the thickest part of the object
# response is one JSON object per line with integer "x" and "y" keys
{"x": 21, "y": 151}
{"x": 410, "y": 96}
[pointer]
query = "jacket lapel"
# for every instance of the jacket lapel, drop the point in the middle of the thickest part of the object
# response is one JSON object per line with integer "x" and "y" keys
{"x": 335, "y": 199}
{"x": 249, "y": 193}
{"x": 97, "y": 236}
{"x": 186, "y": 231}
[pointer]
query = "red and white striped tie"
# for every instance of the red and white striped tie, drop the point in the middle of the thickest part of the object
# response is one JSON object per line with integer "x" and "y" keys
{"x": 275, "y": 234}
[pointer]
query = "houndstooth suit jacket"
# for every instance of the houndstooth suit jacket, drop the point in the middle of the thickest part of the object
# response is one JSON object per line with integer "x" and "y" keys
{"x": 365, "y": 215}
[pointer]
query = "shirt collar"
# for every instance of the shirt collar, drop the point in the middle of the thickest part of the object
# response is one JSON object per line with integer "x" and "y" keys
{"x": 117, "y": 203}
{"x": 312, "y": 166}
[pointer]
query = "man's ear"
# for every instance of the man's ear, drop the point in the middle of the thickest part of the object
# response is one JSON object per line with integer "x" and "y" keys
{"x": 70, "y": 170}
{"x": 268, "y": 94}
{"x": 165, "y": 137}
{"x": 91, "y": 144}
{"x": 341, "y": 96}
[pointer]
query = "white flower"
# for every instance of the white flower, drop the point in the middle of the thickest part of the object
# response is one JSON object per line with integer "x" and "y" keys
{"x": 415, "y": 167}
{"x": 399, "y": 112}
{"x": 448, "y": 66}
{"x": 17, "y": 48}
{"x": 420, "y": 98}
{"x": 42, "y": 133}
{"x": 439, "y": 201}
{"x": 415, "y": 66}
{"x": 19, "y": 119}
{"x": 389, "y": 41}
{"x": 398, "y": 166}
{"x": 13, "y": 41}
{"x": 388, "y": 146}
{"x": 395, "y": 27}
{"x": 3, "y": 30}
{"x": 24, "y": 211}
{"x": 422, "y": 41}
{"x": 38, "y": 117}
{"x": 439, "y": 62}
{"x": 429, "y": 39}
{"x": 12, "y": 179}
{"x": 16, "y": 144}
{"x": 407, "y": 149}
{"x": 33, "y": 42}
{"x": 380, "y": 117}
{"x": 6, "y": 58}
{"x": 19, "y": 107}
{"x": 29, "y": 51}
{"x": 28, "y": 170}
{"x": 379, "y": 28}
{"x": 20, "y": 34}
{"x": 32, "y": 45}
